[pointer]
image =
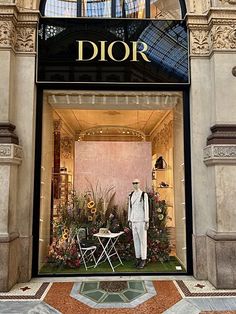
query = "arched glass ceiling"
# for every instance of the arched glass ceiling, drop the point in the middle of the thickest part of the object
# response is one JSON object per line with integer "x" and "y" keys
{"x": 155, "y": 9}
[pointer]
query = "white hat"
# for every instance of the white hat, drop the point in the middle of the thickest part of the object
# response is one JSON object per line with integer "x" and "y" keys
{"x": 136, "y": 181}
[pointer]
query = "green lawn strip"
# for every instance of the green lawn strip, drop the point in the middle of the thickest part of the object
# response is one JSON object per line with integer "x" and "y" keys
{"x": 105, "y": 268}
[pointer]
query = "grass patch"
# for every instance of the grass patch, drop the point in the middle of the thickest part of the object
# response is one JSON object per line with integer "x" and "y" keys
{"x": 128, "y": 267}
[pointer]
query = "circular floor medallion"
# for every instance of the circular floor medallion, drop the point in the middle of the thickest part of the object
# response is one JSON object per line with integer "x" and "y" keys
{"x": 113, "y": 286}
{"x": 113, "y": 294}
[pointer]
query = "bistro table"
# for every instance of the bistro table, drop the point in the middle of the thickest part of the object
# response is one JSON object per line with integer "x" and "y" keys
{"x": 108, "y": 248}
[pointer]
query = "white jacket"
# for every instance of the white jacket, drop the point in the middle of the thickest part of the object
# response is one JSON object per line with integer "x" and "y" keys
{"x": 138, "y": 209}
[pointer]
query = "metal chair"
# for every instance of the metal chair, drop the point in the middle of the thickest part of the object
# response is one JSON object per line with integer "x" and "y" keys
{"x": 86, "y": 250}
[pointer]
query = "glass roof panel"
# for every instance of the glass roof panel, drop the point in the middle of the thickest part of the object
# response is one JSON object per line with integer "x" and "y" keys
{"x": 64, "y": 8}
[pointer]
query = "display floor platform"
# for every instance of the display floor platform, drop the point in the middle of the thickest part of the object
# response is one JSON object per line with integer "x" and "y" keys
{"x": 173, "y": 266}
{"x": 128, "y": 295}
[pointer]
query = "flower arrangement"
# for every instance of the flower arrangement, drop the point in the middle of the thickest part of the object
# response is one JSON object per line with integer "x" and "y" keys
{"x": 94, "y": 210}
{"x": 158, "y": 238}
{"x": 63, "y": 252}
{"x": 87, "y": 210}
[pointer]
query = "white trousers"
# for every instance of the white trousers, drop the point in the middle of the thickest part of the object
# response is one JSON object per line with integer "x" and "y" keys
{"x": 140, "y": 239}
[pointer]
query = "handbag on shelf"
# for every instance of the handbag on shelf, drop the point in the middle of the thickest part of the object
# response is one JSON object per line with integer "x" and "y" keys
{"x": 160, "y": 163}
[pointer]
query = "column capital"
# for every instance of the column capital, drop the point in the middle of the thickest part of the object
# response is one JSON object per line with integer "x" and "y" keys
{"x": 214, "y": 31}
{"x": 18, "y": 29}
{"x": 10, "y": 154}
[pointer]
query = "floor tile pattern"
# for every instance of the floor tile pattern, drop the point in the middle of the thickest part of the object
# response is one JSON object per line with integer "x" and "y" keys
{"x": 59, "y": 298}
{"x": 170, "y": 296}
{"x": 31, "y": 291}
{"x": 202, "y": 289}
{"x": 131, "y": 295}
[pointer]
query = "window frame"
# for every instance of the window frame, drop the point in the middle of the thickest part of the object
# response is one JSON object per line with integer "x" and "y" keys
{"x": 113, "y": 9}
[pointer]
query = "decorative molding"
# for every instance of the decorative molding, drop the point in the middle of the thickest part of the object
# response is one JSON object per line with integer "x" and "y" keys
{"x": 18, "y": 29}
{"x": 219, "y": 154}
{"x": 223, "y": 37}
{"x": 67, "y": 147}
{"x": 10, "y": 153}
{"x": 25, "y": 39}
{"x": 7, "y": 134}
{"x": 163, "y": 136}
{"x": 221, "y": 236}
{"x": 7, "y": 34}
{"x": 214, "y": 31}
{"x": 200, "y": 42}
{"x": 93, "y": 99}
{"x": 222, "y": 134}
{"x": 57, "y": 124}
{"x": 5, "y": 150}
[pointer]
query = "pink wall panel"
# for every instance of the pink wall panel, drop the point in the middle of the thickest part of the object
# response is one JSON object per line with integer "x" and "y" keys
{"x": 113, "y": 163}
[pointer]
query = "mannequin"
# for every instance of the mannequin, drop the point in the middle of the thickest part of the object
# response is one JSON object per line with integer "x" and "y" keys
{"x": 138, "y": 217}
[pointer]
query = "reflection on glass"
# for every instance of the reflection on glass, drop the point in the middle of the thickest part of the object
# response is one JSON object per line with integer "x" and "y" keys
{"x": 130, "y": 8}
{"x": 65, "y": 8}
{"x": 165, "y": 9}
{"x": 96, "y": 8}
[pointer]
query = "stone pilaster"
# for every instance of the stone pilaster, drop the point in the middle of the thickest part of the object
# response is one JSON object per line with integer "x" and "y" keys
{"x": 220, "y": 157}
{"x": 10, "y": 159}
{"x": 17, "y": 106}
{"x": 213, "y": 58}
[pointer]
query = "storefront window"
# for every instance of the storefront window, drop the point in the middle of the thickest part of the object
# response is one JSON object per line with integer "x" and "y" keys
{"x": 95, "y": 148}
{"x": 157, "y": 9}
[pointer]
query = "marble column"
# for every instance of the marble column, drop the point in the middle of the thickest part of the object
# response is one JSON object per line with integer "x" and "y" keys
{"x": 220, "y": 158}
{"x": 10, "y": 159}
{"x": 17, "y": 107}
{"x": 213, "y": 114}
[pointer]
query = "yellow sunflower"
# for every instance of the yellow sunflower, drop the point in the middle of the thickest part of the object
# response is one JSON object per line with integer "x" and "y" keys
{"x": 65, "y": 236}
{"x": 66, "y": 231}
{"x": 93, "y": 210}
{"x": 90, "y": 218}
{"x": 91, "y": 204}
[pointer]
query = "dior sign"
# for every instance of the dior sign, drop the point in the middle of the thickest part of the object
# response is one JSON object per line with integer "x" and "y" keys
{"x": 117, "y": 51}
{"x": 112, "y": 51}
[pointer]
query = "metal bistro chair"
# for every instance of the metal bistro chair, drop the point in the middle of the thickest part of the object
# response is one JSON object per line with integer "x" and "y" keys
{"x": 86, "y": 250}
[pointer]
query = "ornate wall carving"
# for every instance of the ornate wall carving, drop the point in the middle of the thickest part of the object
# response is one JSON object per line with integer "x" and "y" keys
{"x": 25, "y": 39}
{"x": 163, "y": 136}
{"x": 10, "y": 153}
{"x": 67, "y": 147}
{"x": 18, "y": 29}
{"x": 200, "y": 42}
{"x": 213, "y": 154}
{"x": 5, "y": 150}
{"x": 7, "y": 34}
{"x": 214, "y": 31}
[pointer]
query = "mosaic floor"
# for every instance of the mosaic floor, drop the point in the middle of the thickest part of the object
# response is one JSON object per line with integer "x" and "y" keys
{"x": 117, "y": 295}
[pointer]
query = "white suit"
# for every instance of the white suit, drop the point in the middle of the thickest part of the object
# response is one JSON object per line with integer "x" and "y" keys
{"x": 138, "y": 214}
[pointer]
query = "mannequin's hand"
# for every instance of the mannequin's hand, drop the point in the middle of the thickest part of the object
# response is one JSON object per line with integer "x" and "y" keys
{"x": 130, "y": 224}
{"x": 146, "y": 227}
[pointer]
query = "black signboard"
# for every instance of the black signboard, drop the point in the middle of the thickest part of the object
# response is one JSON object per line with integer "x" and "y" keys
{"x": 112, "y": 50}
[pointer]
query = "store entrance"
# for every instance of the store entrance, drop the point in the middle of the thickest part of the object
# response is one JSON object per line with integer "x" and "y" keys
{"x": 94, "y": 145}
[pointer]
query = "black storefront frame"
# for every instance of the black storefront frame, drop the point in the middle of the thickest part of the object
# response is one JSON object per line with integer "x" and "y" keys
{"x": 41, "y": 87}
